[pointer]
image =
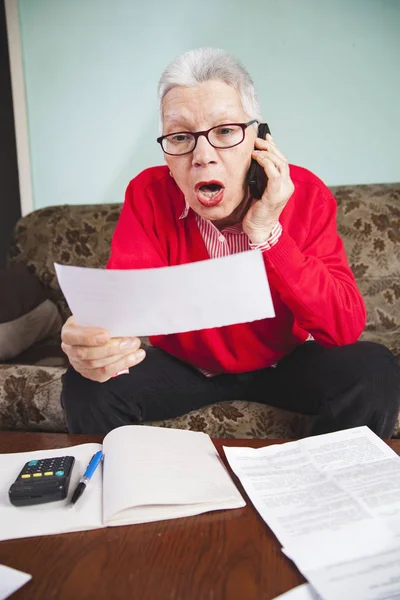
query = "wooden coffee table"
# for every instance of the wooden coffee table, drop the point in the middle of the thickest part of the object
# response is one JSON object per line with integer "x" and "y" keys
{"x": 228, "y": 554}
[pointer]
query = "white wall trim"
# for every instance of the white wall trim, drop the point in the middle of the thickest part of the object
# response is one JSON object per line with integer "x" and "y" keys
{"x": 19, "y": 104}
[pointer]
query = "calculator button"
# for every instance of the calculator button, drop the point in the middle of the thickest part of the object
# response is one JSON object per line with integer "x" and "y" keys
{"x": 26, "y": 476}
{"x": 32, "y": 463}
{"x": 37, "y": 474}
{"x": 48, "y": 473}
{"x": 59, "y": 473}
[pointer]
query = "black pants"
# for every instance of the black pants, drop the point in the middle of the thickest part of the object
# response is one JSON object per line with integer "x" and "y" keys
{"x": 344, "y": 387}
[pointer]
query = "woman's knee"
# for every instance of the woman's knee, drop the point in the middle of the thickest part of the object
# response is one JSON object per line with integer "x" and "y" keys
{"x": 380, "y": 379}
{"x": 93, "y": 407}
{"x": 374, "y": 358}
{"x": 79, "y": 397}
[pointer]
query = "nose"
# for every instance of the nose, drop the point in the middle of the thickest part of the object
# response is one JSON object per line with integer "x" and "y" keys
{"x": 204, "y": 153}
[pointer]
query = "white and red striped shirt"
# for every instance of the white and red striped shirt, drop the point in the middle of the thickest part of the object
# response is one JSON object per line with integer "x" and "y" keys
{"x": 231, "y": 240}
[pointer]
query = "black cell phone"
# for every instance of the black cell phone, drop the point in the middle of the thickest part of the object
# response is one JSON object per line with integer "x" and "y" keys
{"x": 42, "y": 480}
{"x": 256, "y": 177}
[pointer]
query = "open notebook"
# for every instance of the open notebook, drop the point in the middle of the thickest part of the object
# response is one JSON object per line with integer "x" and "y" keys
{"x": 148, "y": 474}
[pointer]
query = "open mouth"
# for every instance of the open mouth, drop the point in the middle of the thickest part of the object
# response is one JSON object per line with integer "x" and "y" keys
{"x": 209, "y": 193}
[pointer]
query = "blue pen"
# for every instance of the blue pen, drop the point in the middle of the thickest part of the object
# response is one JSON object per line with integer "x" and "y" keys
{"x": 92, "y": 466}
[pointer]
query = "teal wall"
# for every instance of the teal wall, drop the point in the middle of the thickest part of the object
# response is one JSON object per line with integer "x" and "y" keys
{"x": 327, "y": 72}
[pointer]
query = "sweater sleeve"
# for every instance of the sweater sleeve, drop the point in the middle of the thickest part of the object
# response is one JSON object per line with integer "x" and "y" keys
{"x": 315, "y": 281}
{"x": 135, "y": 244}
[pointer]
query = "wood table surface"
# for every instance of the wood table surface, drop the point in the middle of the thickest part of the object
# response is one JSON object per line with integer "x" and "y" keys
{"x": 224, "y": 555}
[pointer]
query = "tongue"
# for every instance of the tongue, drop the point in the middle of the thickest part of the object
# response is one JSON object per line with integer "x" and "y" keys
{"x": 210, "y": 195}
{"x": 210, "y": 191}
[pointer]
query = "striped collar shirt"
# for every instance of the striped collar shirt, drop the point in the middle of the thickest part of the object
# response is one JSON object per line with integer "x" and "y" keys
{"x": 230, "y": 240}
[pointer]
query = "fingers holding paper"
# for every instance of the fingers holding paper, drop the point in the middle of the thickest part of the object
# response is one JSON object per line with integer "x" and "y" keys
{"x": 97, "y": 356}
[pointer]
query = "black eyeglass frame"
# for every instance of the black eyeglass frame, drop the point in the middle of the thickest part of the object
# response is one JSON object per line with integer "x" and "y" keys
{"x": 197, "y": 134}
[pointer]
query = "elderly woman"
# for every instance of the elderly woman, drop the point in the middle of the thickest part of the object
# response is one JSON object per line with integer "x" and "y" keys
{"x": 306, "y": 359}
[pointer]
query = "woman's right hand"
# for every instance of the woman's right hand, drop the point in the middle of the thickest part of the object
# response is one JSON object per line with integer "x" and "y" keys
{"x": 97, "y": 356}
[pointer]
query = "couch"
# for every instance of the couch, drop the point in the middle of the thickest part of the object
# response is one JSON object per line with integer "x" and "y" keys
{"x": 368, "y": 222}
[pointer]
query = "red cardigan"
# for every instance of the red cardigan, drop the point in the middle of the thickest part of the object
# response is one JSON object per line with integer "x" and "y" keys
{"x": 313, "y": 289}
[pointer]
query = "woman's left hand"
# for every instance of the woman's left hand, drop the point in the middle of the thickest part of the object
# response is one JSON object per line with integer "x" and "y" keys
{"x": 263, "y": 214}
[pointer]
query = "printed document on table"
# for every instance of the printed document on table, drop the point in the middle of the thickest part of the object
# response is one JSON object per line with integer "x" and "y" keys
{"x": 200, "y": 295}
{"x": 327, "y": 498}
{"x": 11, "y": 580}
{"x": 301, "y": 592}
{"x": 373, "y": 577}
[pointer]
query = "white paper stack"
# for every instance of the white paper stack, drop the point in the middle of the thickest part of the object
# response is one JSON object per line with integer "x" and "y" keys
{"x": 333, "y": 501}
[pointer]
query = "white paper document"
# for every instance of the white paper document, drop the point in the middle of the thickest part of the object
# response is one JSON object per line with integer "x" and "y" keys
{"x": 301, "y": 592}
{"x": 331, "y": 500}
{"x": 343, "y": 487}
{"x": 11, "y": 580}
{"x": 375, "y": 577}
{"x": 143, "y": 302}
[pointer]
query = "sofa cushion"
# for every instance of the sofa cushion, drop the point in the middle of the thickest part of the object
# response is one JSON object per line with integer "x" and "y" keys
{"x": 46, "y": 352}
{"x": 22, "y": 333}
{"x": 369, "y": 225}
{"x": 26, "y": 316}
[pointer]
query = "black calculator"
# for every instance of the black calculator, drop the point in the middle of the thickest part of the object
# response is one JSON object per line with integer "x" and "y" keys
{"x": 42, "y": 480}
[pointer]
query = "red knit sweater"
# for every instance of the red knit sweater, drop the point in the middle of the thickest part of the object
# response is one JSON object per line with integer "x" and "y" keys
{"x": 312, "y": 286}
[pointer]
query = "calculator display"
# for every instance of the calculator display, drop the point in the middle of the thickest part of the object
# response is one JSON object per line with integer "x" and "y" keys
{"x": 42, "y": 480}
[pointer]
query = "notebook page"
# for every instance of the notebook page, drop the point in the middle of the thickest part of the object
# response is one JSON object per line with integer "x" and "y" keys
{"x": 52, "y": 517}
{"x": 159, "y": 512}
{"x": 147, "y": 466}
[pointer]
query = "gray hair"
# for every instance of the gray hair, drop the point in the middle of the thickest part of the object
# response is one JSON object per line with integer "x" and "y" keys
{"x": 204, "y": 64}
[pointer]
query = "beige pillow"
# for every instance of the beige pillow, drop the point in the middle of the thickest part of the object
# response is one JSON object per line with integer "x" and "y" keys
{"x": 26, "y": 315}
{"x": 20, "y": 334}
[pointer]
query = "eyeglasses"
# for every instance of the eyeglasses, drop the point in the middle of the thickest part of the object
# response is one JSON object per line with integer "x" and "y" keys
{"x": 227, "y": 135}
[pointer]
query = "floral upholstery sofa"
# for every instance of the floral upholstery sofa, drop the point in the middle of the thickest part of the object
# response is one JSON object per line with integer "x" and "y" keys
{"x": 368, "y": 221}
